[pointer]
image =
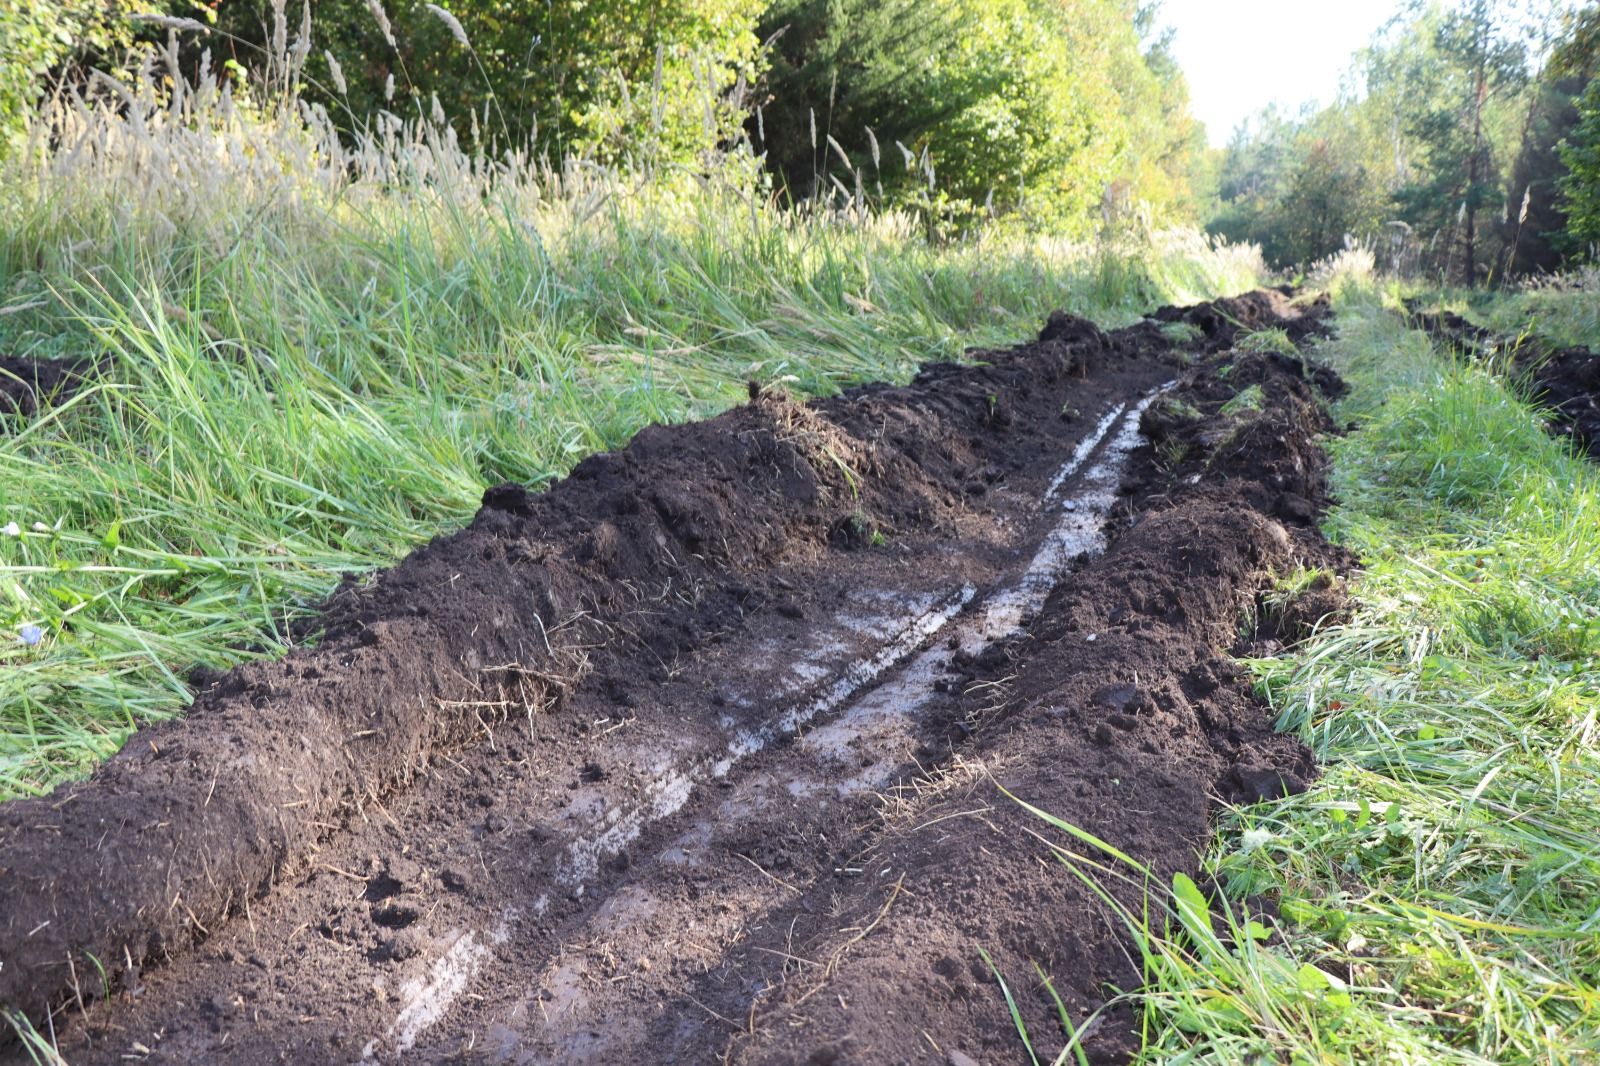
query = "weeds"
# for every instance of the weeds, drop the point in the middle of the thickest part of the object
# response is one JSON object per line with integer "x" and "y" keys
{"x": 1181, "y": 333}
{"x": 1266, "y": 341}
{"x": 1245, "y": 401}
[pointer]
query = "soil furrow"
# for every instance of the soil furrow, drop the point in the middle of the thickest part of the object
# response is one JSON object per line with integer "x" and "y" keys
{"x": 549, "y": 790}
{"x": 855, "y": 750}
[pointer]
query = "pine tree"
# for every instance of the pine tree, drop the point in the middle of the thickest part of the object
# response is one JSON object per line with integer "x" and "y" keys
{"x": 1473, "y": 64}
{"x": 1580, "y": 186}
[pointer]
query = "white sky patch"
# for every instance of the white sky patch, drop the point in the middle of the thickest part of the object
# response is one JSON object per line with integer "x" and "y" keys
{"x": 1241, "y": 55}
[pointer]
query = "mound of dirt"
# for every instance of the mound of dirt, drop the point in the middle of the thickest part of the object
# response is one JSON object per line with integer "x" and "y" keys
{"x": 1115, "y": 711}
{"x": 1567, "y": 381}
{"x": 27, "y": 383}
{"x": 696, "y": 753}
{"x": 1221, "y": 322}
{"x": 1452, "y": 330}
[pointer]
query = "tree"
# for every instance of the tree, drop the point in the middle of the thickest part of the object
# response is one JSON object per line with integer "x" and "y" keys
{"x": 1047, "y": 108}
{"x": 597, "y": 77}
{"x": 1580, "y": 186}
{"x": 1327, "y": 198}
{"x": 1298, "y": 186}
{"x": 1569, "y": 41}
{"x": 1474, "y": 63}
{"x": 37, "y": 37}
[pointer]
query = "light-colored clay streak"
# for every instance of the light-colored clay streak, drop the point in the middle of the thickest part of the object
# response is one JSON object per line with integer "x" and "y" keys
{"x": 1081, "y": 452}
{"x": 427, "y": 1000}
{"x": 667, "y": 794}
{"x": 883, "y": 719}
{"x": 1080, "y": 531}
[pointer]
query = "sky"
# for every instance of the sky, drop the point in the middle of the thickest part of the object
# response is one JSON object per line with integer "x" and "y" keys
{"x": 1240, "y": 55}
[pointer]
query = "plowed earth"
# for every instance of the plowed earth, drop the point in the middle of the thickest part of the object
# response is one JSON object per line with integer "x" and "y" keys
{"x": 25, "y": 383}
{"x": 704, "y": 754}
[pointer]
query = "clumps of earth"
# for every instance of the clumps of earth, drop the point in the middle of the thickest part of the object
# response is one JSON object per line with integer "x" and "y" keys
{"x": 733, "y": 745}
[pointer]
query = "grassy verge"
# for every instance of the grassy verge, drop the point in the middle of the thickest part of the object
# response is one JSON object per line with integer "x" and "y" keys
{"x": 317, "y": 357}
{"x": 1564, "y": 309}
{"x": 1438, "y": 888}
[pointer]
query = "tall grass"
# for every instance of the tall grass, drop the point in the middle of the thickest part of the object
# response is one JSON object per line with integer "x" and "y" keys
{"x": 1563, "y": 308}
{"x": 318, "y": 351}
{"x": 1437, "y": 890}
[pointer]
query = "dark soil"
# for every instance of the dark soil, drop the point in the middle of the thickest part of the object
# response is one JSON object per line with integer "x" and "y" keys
{"x": 26, "y": 384}
{"x": 1452, "y": 330}
{"x": 1565, "y": 381}
{"x": 697, "y": 754}
{"x": 1221, "y": 322}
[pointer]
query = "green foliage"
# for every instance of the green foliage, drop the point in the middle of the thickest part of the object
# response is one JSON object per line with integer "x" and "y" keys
{"x": 1472, "y": 63}
{"x": 38, "y": 36}
{"x": 1538, "y": 236}
{"x": 1443, "y": 163}
{"x": 1055, "y": 111}
{"x": 1049, "y": 109}
{"x": 598, "y": 78}
{"x": 1580, "y": 186}
{"x": 1299, "y": 197}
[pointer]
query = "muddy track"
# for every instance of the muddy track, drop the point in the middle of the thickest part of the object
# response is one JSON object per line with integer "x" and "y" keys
{"x": 697, "y": 756}
{"x": 1565, "y": 381}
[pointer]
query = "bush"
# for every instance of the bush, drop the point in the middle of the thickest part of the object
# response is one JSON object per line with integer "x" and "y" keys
{"x": 37, "y": 36}
{"x": 1048, "y": 109}
{"x": 597, "y": 79}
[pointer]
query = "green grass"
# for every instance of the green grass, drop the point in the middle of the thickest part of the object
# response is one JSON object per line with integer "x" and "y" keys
{"x": 315, "y": 365}
{"x": 1565, "y": 310}
{"x": 1439, "y": 886}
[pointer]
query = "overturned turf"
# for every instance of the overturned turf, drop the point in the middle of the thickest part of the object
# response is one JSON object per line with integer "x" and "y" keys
{"x": 601, "y": 776}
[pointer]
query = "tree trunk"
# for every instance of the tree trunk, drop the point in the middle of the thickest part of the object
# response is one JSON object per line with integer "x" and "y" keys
{"x": 1473, "y": 161}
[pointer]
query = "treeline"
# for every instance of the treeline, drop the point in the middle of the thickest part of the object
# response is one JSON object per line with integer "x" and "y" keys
{"x": 1067, "y": 115}
{"x": 1467, "y": 147}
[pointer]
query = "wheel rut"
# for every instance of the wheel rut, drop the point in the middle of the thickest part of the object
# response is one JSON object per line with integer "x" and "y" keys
{"x": 698, "y": 755}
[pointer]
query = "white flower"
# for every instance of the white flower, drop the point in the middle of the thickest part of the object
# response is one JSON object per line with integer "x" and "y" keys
{"x": 30, "y": 635}
{"x": 40, "y": 527}
{"x": 11, "y": 529}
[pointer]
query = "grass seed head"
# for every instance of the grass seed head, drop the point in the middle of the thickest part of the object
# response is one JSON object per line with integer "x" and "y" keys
{"x": 171, "y": 22}
{"x": 452, "y": 24}
{"x": 336, "y": 72}
{"x": 382, "y": 19}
